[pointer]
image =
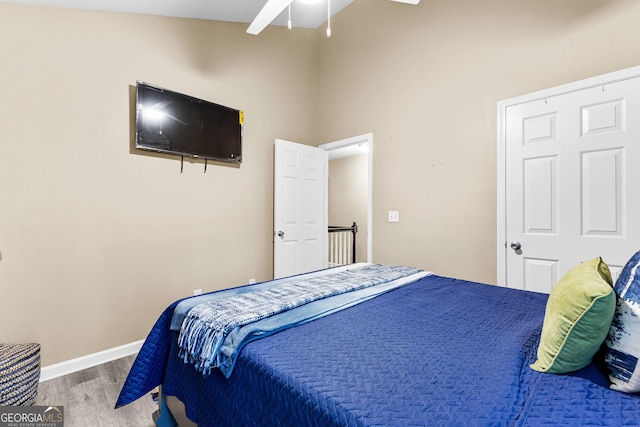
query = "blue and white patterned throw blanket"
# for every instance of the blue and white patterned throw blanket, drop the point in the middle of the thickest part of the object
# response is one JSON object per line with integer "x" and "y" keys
{"x": 206, "y": 325}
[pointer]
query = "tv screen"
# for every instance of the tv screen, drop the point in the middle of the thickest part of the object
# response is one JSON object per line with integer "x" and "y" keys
{"x": 174, "y": 123}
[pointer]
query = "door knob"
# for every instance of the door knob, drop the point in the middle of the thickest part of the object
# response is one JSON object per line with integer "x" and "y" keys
{"x": 281, "y": 234}
{"x": 515, "y": 246}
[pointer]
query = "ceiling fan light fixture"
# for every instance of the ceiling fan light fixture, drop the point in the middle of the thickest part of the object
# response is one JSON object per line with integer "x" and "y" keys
{"x": 272, "y": 8}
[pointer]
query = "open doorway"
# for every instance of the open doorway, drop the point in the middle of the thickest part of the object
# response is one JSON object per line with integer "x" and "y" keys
{"x": 350, "y": 188}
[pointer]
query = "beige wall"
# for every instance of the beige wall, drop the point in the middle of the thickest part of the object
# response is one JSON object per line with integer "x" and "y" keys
{"x": 425, "y": 80}
{"x": 348, "y": 197}
{"x": 98, "y": 238}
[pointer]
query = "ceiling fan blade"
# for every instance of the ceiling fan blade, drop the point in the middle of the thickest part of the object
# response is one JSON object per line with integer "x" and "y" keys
{"x": 408, "y": 1}
{"x": 269, "y": 12}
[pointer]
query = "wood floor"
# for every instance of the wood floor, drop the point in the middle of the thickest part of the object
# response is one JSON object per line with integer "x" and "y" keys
{"x": 89, "y": 397}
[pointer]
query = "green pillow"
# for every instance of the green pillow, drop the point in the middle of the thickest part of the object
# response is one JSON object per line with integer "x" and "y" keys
{"x": 577, "y": 319}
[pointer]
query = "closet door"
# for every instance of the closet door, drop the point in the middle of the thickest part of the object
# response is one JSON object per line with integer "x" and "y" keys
{"x": 572, "y": 182}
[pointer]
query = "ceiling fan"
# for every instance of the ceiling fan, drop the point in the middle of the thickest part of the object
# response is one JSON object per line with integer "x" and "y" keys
{"x": 273, "y": 8}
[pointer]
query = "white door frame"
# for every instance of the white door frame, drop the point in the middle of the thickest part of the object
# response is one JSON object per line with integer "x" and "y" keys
{"x": 597, "y": 81}
{"x": 365, "y": 140}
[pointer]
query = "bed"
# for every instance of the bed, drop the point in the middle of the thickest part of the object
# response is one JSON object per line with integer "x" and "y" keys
{"x": 430, "y": 351}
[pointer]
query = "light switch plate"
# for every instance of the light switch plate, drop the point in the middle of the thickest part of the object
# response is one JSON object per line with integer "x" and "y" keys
{"x": 394, "y": 216}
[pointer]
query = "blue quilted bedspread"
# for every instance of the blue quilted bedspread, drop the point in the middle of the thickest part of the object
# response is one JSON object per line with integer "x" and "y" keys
{"x": 439, "y": 351}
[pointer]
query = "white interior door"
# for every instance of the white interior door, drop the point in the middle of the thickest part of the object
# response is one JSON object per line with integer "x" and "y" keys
{"x": 571, "y": 181}
{"x": 300, "y": 209}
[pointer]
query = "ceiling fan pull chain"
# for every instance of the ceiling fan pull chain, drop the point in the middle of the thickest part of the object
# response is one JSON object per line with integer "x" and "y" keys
{"x": 328, "y": 18}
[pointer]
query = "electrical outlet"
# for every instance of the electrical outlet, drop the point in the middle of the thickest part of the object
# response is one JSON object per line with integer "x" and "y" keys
{"x": 394, "y": 216}
{"x": 252, "y": 281}
{"x": 197, "y": 292}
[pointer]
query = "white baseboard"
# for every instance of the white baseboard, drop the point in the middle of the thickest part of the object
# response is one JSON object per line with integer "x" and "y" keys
{"x": 74, "y": 365}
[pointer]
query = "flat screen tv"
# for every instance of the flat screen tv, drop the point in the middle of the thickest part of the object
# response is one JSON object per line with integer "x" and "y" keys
{"x": 174, "y": 123}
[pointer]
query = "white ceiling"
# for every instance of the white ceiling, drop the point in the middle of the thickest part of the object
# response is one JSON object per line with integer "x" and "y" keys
{"x": 303, "y": 15}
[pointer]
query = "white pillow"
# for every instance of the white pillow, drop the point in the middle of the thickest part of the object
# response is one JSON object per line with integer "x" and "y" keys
{"x": 623, "y": 341}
